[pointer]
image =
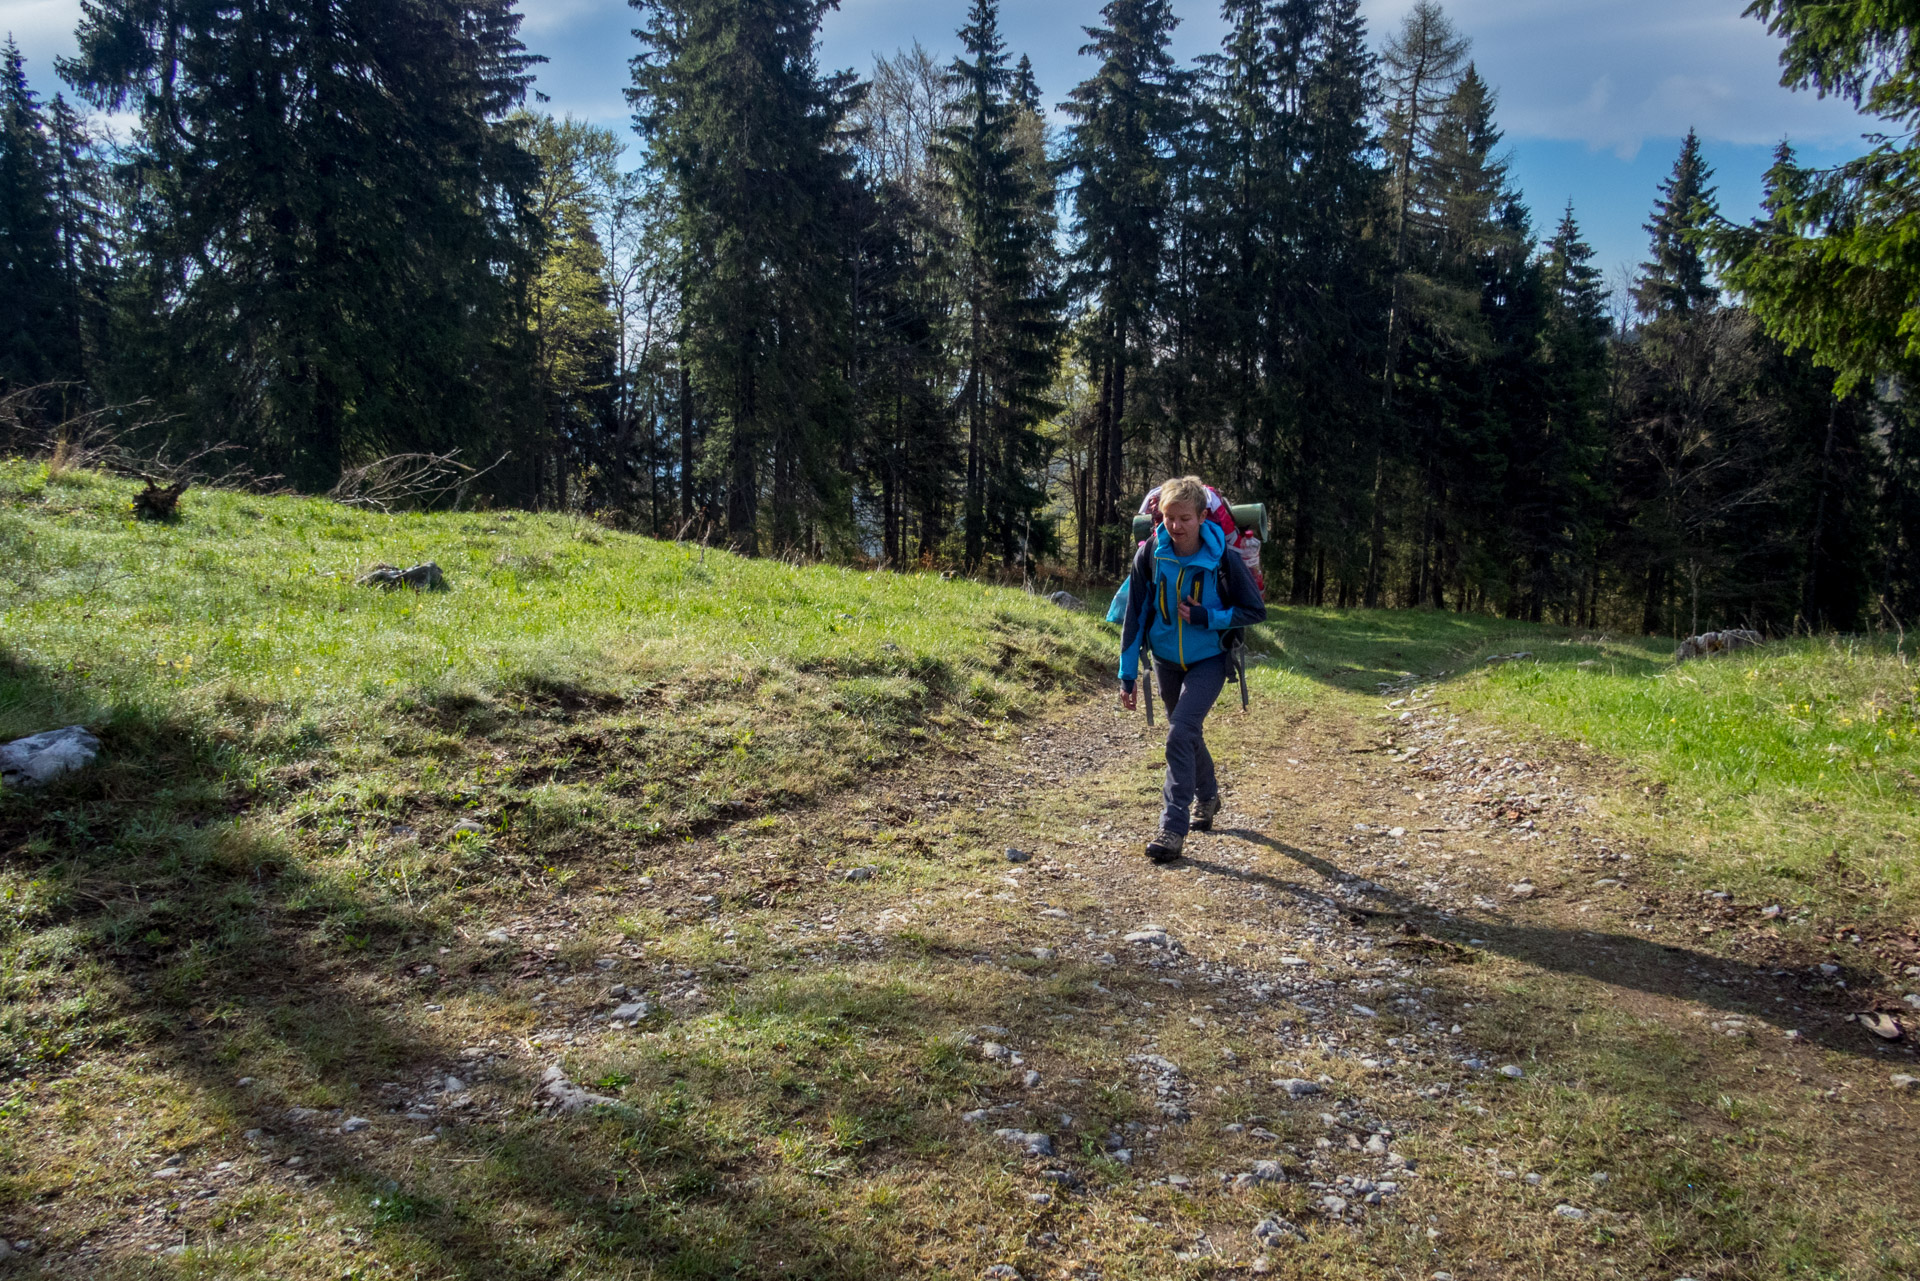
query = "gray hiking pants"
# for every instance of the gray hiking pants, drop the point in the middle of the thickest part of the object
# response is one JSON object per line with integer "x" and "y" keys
{"x": 1189, "y": 695}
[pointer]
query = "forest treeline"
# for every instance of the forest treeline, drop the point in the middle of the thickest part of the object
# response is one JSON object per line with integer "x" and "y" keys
{"x": 930, "y": 316}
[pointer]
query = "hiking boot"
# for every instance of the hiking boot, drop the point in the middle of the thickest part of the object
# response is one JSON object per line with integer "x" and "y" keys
{"x": 1165, "y": 847}
{"x": 1203, "y": 812}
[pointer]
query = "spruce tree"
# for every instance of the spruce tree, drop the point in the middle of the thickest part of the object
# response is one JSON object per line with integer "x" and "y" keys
{"x": 1837, "y": 271}
{"x": 1556, "y": 446}
{"x": 1421, "y": 65}
{"x": 1674, "y": 279}
{"x": 744, "y": 127}
{"x": 1010, "y": 330}
{"x": 1125, "y": 118}
{"x": 86, "y": 222}
{"x": 35, "y": 342}
{"x": 1339, "y": 297}
{"x": 568, "y": 316}
{"x": 326, "y": 262}
{"x": 1470, "y": 240}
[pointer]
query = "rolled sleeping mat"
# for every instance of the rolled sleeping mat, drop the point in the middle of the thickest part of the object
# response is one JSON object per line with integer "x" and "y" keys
{"x": 1245, "y": 516}
{"x": 1250, "y": 516}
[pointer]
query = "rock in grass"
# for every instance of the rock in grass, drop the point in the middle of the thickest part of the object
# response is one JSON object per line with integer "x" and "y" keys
{"x": 1512, "y": 1070}
{"x": 354, "y": 1124}
{"x": 857, "y": 874}
{"x": 38, "y": 759}
{"x": 1263, "y": 1172}
{"x": 564, "y": 1095}
{"x": 1904, "y": 1081}
{"x": 1017, "y": 856}
{"x": 1707, "y": 644}
{"x": 424, "y": 577}
{"x": 1298, "y": 1087}
{"x": 1002, "y": 1272}
{"x": 1032, "y": 1142}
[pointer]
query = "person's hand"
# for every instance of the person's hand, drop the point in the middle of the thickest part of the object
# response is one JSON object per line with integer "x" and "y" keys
{"x": 1130, "y": 700}
{"x": 1193, "y": 613}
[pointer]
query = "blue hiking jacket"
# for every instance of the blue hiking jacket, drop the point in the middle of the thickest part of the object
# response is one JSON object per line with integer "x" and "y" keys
{"x": 1161, "y": 580}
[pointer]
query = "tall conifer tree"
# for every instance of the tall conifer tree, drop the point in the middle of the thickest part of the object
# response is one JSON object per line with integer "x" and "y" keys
{"x": 743, "y": 125}
{"x": 1339, "y": 271}
{"x": 326, "y": 254}
{"x": 1011, "y": 329}
{"x": 1675, "y": 279}
{"x": 35, "y": 345}
{"x": 1125, "y": 118}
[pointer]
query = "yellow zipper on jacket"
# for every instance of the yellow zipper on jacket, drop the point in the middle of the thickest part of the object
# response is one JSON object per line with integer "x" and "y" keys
{"x": 1180, "y": 617}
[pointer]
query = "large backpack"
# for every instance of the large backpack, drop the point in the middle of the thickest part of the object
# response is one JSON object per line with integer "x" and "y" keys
{"x": 1244, "y": 524}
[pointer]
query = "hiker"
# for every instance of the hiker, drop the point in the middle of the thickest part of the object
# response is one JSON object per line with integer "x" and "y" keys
{"x": 1184, "y": 595}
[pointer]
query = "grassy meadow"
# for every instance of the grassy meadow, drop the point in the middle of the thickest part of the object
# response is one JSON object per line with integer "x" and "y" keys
{"x": 275, "y": 735}
{"x": 1789, "y": 773}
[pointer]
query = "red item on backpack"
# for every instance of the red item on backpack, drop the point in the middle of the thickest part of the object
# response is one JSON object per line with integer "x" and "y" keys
{"x": 1244, "y": 541}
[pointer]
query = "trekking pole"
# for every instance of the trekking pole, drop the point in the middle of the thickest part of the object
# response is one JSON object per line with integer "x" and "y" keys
{"x": 1240, "y": 663}
{"x": 1146, "y": 688}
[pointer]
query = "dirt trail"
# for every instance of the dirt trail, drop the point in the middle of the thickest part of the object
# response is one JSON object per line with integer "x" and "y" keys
{"x": 1413, "y": 927}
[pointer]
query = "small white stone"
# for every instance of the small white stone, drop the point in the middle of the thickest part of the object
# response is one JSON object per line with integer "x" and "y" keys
{"x": 1512, "y": 1070}
{"x": 354, "y": 1124}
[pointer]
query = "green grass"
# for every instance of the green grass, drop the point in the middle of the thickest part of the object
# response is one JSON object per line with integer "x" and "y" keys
{"x": 281, "y": 744}
{"x": 254, "y": 598}
{"x": 1789, "y": 773}
{"x": 572, "y": 676}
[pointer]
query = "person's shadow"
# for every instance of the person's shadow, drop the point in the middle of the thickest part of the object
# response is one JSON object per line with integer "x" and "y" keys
{"x": 1623, "y": 960}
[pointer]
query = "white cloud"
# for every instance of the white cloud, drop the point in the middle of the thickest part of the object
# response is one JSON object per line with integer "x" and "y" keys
{"x": 43, "y": 28}
{"x": 539, "y": 17}
{"x": 1614, "y": 73}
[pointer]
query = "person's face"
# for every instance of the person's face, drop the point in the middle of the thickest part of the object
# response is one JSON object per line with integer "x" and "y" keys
{"x": 1183, "y": 522}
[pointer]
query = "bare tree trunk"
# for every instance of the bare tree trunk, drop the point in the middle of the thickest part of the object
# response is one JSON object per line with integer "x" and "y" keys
{"x": 686, "y": 440}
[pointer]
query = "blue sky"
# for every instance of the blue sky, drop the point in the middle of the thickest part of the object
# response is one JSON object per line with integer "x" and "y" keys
{"x": 1595, "y": 95}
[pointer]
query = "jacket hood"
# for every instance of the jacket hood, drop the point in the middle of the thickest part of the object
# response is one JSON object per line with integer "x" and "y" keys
{"x": 1213, "y": 541}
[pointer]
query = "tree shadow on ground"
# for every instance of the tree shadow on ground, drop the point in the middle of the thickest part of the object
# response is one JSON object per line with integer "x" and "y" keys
{"x": 1619, "y": 960}
{"x": 170, "y": 954}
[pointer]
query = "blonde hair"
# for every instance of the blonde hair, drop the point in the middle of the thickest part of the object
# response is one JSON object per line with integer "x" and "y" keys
{"x": 1185, "y": 489}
